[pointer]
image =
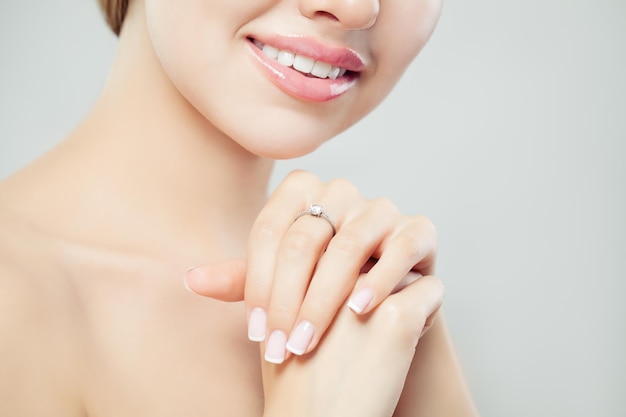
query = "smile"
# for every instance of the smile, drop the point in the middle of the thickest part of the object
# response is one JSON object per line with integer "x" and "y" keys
{"x": 301, "y": 63}
{"x": 305, "y": 68}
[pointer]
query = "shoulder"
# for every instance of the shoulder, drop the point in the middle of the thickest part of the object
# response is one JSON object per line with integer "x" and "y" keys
{"x": 16, "y": 288}
{"x": 18, "y": 323}
{"x": 32, "y": 286}
{"x": 21, "y": 297}
{"x": 35, "y": 341}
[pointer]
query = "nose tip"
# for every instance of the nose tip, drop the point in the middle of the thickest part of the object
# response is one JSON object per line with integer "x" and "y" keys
{"x": 349, "y": 14}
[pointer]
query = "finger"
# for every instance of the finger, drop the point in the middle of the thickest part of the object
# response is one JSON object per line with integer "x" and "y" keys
{"x": 297, "y": 258}
{"x": 273, "y": 221}
{"x": 304, "y": 244}
{"x": 414, "y": 248}
{"x": 224, "y": 280}
{"x": 409, "y": 313}
{"x": 337, "y": 272}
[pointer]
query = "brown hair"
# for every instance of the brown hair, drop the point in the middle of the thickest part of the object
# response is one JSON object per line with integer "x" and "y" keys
{"x": 114, "y": 12}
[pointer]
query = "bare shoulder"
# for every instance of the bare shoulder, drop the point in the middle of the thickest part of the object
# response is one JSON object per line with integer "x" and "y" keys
{"x": 32, "y": 329}
{"x": 17, "y": 301}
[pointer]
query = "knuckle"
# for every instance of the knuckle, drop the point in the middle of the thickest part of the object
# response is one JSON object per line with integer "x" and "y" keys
{"x": 343, "y": 187}
{"x": 404, "y": 321}
{"x": 418, "y": 239}
{"x": 410, "y": 247}
{"x": 439, "y": 288}
{"x": 383, "y": 206}
{"x": 400, "y": 323}
{"x": 298, "y": 177}
{"x": 348, "y": 242}
{"x": 265, "y": 230}
{"x": 393, "y": 314}
{"x": 297, "y": 243}
{"x": 426, "y": 224}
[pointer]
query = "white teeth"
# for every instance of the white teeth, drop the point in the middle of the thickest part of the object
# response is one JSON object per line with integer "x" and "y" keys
{"x": 321, "y": 69}
{"x": 270, "y": 51}
{"x": 334, "y": 73}
{"x": 301, "y": 63}
{"x": 285, "y": 58}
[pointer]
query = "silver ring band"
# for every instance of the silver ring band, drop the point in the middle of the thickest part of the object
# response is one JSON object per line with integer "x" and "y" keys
{"x": 317, "y": 210}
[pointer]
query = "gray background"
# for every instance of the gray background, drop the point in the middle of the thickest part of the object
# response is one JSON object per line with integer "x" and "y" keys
{"x": 508, "y": 132}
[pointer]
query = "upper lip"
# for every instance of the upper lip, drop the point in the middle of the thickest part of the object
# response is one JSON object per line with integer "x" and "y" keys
{"x": 339, "y": 56}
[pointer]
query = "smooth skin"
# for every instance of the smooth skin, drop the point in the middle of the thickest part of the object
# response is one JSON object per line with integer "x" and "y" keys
{"x": 299, "y": 272}
{"x": 163, "y": 174}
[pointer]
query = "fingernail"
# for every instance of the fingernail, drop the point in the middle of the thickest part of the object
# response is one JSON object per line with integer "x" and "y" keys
{"x": 186, "y": 277}
{"x": 361, "y": 300}
{"x": 275, "y": 350}
{"x": 300, "y": 338}
{"x": 256, "y": 325}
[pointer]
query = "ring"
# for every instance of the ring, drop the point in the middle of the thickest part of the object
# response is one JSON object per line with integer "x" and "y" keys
{"x": 317, "y": 210}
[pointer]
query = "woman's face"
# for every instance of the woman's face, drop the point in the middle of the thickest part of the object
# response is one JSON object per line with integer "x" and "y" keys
{"x": 280, "y": 77}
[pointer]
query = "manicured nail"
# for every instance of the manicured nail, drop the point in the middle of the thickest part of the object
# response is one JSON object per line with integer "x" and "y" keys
{"x": 256, "y": 325}
{"x": 187, "y": 272}
{"x": 275, "y": 349}
{"x": 300, "y": 338}
{"x": 361, "y": 300}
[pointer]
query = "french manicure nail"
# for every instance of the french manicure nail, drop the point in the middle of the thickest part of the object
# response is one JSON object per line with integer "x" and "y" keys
{"x": 361, "y": 300}
{"x": 186, "y": 277}
{"x": 257, "y": 324}
{"x": 300, "y": 338}
{"x": 275, "y": 349}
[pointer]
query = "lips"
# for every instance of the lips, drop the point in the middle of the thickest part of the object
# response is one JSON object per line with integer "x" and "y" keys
{"x": 307, "y": 69}
{"x": 301, "y": 63}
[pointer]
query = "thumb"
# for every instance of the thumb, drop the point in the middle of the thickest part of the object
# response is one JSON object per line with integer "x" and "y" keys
{"x": 223, "y": 280}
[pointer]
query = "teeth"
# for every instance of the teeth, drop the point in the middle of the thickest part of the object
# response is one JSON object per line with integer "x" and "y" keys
{"x": 334, "y": 73}
{"x": 270, "y": 51}
{"x": 322, "y": 69}
{"x": 301, "y": 63}
{"x": 285, "y": 58}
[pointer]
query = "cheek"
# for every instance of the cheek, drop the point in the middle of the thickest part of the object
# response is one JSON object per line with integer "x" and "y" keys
{"x": 176, "y": 38}
{"x": 192, "y": 49}
{"x": 198, "y": 47}
{"x": 205, "y": 58}
{"x": 410, "y": 24}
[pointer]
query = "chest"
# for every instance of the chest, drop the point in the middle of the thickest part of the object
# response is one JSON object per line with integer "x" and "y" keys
{"x": 173, "y": 355}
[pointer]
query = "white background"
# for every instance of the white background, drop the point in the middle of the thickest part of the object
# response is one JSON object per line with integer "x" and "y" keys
{"x": 508, "y": 131}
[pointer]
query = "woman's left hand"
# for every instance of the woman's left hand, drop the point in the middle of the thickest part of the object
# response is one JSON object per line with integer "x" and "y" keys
{"x": 302, "y": 266}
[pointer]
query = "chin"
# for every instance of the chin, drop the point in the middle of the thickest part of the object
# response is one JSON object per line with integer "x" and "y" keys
{"x": 281, "y": 148}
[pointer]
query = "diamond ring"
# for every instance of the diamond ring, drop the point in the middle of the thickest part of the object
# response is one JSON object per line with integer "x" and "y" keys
{"x": 317, "y": 210}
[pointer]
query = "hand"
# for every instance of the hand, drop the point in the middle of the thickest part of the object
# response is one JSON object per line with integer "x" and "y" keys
{"x": 299, "y": 273}
{"x": 361, "y": 366}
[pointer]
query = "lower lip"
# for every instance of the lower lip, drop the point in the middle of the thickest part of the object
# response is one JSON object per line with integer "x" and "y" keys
{"x": 300, "y": 86}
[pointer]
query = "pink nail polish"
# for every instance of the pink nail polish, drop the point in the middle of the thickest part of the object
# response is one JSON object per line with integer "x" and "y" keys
{"x": 275, "y": 349}
{"x": 257, "y": 325}
{"x": 361, "y": 300}
{"x": 300, "y": 338}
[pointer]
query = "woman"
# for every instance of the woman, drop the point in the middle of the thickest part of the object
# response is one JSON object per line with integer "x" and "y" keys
{"x": 170, "y": 169}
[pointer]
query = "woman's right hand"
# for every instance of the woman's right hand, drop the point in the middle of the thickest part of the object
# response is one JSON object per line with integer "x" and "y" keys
{"x": 361, "y": 367}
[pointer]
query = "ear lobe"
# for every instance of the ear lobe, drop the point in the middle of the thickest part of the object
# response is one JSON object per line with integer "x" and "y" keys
{"x": 224, "y": 280}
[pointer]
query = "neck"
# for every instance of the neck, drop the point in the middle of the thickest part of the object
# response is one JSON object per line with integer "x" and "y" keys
{"x": 145, "y": 166}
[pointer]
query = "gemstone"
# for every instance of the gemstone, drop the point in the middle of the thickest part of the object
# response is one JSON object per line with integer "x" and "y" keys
{"x": 316, "y": 210}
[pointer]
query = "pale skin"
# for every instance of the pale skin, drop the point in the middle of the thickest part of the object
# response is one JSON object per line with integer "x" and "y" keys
{"x": 162, "y": 175}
